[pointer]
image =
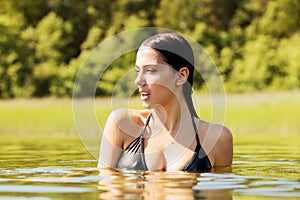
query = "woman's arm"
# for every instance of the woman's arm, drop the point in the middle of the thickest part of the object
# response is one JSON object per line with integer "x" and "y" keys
{"x": 111, "y": 143}
{"x": 122, "y": 127}
{"x": 224, "y": 148}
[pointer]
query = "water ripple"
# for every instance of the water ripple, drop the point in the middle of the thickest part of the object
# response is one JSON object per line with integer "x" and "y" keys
{"x": 42, "y": 189}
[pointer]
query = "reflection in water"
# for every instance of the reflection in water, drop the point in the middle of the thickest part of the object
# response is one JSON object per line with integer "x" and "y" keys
{"x": 53, "y": 182}
{"x": 259, "y": 171}
{"x": 221, "y": 183}
{"x": 122, "y": 184}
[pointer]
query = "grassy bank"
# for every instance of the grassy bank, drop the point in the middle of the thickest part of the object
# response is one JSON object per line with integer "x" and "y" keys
{"x": 260, "y": 113}
{"x": 268, "y": 113}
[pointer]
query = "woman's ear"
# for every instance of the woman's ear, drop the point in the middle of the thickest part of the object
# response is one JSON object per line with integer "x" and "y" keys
{"x": 183, "y": 75}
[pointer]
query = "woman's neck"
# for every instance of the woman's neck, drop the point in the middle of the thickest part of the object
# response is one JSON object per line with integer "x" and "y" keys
{"x": 176, "y": 121}
{"x": 172, "y": 115}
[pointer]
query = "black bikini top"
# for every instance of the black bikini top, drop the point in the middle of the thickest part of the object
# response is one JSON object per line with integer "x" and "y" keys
{"x": 133, "y": 157}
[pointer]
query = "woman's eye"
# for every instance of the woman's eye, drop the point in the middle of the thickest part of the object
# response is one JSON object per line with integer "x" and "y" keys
{"x": 152, "y": 70}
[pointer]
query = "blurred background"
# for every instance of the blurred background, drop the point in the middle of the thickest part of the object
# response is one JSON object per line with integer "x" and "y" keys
{"x": 254, "y": 43}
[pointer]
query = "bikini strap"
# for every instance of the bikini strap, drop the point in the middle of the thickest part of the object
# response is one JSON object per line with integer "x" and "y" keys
{"x": 141, "y": 138}
{"x": 146, "y": 124}
{"x": 196, "y": 130}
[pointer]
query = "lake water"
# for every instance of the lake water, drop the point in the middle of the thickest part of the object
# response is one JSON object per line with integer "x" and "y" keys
{"x": 48, "y": 167}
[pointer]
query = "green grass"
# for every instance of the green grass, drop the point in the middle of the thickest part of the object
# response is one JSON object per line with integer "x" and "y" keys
{"x": 267, "y": 113}
{"x": 36, "y": 116}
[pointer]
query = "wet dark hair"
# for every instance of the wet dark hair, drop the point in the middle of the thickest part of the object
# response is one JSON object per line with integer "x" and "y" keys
{"x": 177, "y": 52}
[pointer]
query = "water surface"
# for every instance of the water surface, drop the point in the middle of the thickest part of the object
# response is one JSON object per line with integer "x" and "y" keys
{"x": 51, "y": 167}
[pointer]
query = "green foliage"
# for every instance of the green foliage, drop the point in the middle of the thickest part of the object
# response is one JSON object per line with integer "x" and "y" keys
{"x": 289, "y": 56}
{"x": 258, "y": 66}
{"x": 119, "y": 78}
{"x": 254, "y": 43}
{"x": 281, "y": 18}
{"x": 14, "y": 71}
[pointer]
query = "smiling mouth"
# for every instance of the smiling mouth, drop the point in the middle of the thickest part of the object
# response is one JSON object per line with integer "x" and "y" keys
{"x": 145, "y": 96}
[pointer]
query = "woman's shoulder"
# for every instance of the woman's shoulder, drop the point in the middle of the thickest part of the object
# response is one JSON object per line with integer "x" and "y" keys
{"x": 214, "y": 129}
{"x": 218, "y": 139}
{"x": 128, "y": 121}
{"x": 122, "y": 115}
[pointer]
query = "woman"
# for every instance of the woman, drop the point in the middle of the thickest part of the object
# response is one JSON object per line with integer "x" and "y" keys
{"x": 168, "y": 134}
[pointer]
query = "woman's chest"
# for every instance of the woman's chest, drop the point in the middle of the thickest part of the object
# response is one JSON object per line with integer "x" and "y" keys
{"x": 167, "y": 154}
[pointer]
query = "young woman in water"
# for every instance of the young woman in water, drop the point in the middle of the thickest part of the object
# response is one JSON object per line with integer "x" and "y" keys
{"x": 168, "y": 135}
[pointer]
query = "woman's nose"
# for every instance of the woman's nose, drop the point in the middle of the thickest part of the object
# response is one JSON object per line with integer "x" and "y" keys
{"x": 140, "y": 80}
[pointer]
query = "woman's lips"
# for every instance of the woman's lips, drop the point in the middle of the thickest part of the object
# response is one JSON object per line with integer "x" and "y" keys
{"x": 144, "y": 95}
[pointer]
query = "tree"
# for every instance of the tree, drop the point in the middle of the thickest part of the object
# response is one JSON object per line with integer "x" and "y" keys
{"x": 14, "y": 54}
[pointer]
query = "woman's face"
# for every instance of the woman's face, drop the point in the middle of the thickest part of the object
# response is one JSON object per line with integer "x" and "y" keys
{"x": 156, "y": 79}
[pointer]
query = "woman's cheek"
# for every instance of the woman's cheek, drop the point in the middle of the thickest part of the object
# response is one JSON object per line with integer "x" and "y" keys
{"x": 153, "y": 80}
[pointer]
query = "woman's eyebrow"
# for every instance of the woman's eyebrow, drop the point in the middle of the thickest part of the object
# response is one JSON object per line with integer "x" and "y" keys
{"x": 143, "y": 66}
{"x": 147, "y": 65}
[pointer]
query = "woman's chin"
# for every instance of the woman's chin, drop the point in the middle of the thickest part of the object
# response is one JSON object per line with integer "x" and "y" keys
{"x": 146, "y": 105}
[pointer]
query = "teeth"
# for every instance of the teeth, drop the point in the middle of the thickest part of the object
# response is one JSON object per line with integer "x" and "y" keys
{"x": 144, "y": 95}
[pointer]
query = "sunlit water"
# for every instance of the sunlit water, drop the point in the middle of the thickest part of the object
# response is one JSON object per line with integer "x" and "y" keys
{"x": 46, "y": 168}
